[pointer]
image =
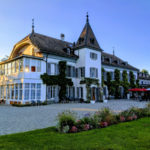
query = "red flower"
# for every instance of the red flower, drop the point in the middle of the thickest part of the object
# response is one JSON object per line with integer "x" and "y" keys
{"x": 135, "y": 117}
{"x": 130, "y": 118}
{"x": 122, "y": 118}
{"x": 86, "y": 127}
{"x": 74, "y": 129}
{"x": 103, "y": 124}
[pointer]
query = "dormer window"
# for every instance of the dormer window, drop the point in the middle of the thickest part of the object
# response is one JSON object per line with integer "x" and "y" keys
{"x": 116, "y": 61}
{"x": 81, "y": 40}
{"x": 92, "y": 40}
{"x": 107, "y": 60}
{"x": 68, "y": 51}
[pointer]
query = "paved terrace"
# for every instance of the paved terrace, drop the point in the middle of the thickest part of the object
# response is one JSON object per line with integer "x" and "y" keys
{"x": 20, "y": 119}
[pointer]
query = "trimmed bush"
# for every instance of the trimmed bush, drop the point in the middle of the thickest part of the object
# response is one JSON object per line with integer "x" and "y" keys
{"x": 66, "y": 120}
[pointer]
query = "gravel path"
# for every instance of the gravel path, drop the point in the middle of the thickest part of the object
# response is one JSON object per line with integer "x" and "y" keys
{"x": 20, "y": 119}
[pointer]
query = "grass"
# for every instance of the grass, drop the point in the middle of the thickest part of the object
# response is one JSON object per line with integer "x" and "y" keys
{"x": 133, "y": 135}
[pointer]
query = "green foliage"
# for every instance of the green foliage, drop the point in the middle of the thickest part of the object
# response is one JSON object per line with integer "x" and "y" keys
{"x": 66, "y": 118}
{"x": 137, "y": 83}
{"x": 145, "y": 71}
{"x": 132, "y": 80}
{"x": 117, "y": 83}
{"x": 109, "y": 83}
{"x": 125, "y": 83}
{"x": 60, "y": 80}
{"x": 102, "y": 73}
{"x": 106, "y": 115}
{"x": 89, "y": 82}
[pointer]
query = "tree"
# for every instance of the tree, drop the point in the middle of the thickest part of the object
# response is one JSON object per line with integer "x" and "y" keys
{"x": 125, "y": 83}
{"x": 145, "y": 71}
{"x": 132, "y": 80}
{"x": 117, "y": 83}
{"x": 137, "y": 83}
{"x": 102, "y": 72}
{"x": 108, "y": 83}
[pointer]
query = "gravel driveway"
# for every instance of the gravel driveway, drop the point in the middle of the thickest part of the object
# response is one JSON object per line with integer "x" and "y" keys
{"x": 20, "y": 119}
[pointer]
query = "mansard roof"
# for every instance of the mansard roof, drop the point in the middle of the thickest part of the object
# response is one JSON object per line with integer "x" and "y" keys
{"x": 87, "y": 38}
{"x": 114, "y": 61}
{"x": 51, "y": 45}
{"x": 48, "y": 45}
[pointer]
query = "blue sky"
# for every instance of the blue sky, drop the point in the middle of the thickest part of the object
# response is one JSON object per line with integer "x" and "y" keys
{"x": 123, "y": 24}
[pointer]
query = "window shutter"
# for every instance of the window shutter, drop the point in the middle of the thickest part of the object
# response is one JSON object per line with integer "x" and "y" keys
{"x": 77, "y": 72}
{"x": 96, "y": 73}
{"x": 83, "y": 71}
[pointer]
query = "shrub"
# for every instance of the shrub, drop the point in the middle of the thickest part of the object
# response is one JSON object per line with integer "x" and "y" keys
{"x": 106, "y": 115}
{"x": 73, "y": 129}
{"x": 148, "y": 105}
{"x": 86, "y": 127}
{"x": 66, "y": 118}
{"x": 103, "y": 124}
{"x": 122, "y": 119}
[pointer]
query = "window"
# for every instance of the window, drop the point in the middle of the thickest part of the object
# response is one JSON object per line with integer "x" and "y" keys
{"x": 12, "y": 91}
{"x": 27, "y": 64}
{"x": 13, "y": 67}
{"x": 16, "y": 91}
{"x": 3, "y": 69}
{"x": 51, "y": 92}
{"x": 38, "y": 66}
{"x": 92, "y": 40}
{"x": 27, "y": 88}
{"x": 8, "y": 92}
{"x": 33, "y": 91}
{"x": 33, "y": 68}
{"x": 21, "y": 65}
{"x": 38, "y": 94}
{"x": 2, "y": 91}
{"x": 9, "y": 68}
{"x": 93, "y": 72}
{"x": 6, "y": 69}
{"x": 93, "y": 56}
{"x": 52, "y": 69}
{"x": 20, "y": 91}
{"x": 17, "y": 66}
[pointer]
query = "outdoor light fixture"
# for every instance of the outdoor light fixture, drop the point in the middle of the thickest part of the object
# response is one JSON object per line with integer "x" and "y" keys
{"x": 26, "y": 69}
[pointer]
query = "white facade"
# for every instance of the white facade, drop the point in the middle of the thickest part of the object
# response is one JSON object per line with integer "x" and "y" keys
{"x": 21, "y": 83}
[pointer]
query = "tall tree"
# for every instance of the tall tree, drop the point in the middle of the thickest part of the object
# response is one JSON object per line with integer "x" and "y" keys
{"x": 145, "y": 71}
{"x": 117, "y": 83}
{"x": 132, "y": 80}
{"x": 125, "y": 82}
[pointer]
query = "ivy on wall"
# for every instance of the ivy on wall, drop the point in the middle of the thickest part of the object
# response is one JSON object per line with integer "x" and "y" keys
{"x": 59, "y": 80}
{"x": 89, "y": 82}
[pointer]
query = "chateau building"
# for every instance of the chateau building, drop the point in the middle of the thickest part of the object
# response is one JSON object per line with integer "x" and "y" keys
{"x": 36, "y": 54}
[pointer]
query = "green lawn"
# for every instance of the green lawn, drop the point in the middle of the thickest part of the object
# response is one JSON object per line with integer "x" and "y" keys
{"x": 133, "y": 135}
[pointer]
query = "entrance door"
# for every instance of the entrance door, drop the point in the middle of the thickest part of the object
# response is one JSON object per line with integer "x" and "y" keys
{"x": 93, "y": 93}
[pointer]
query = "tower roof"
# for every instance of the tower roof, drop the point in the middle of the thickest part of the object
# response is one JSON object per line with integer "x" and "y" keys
{"x": 87, "y": 37}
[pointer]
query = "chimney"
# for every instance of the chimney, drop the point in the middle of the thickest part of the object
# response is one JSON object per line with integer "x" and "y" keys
{"x": 62, "y": 36}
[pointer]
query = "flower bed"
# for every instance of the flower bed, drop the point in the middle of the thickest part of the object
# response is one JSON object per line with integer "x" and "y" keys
{"x": 68, "y": 123}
